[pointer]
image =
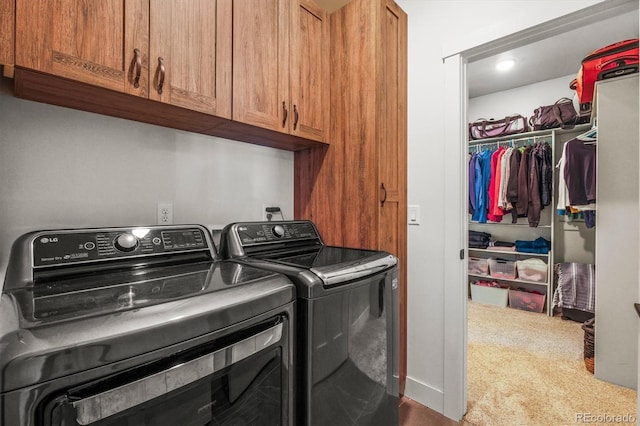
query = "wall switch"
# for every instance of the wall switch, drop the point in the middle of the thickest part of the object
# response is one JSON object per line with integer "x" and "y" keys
{"x": 165, "y": 213}
{"x": 413, "y": 213}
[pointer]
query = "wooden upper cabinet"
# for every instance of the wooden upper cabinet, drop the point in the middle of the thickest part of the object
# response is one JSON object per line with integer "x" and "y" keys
{"x": 190, "y": 54}
{"x": 177, "y": 52}
{"x": 94, "y": 42}
{"x": 280, "y": 66}
{"x": 261, "y": 63}
{"x": 309, "y": 75}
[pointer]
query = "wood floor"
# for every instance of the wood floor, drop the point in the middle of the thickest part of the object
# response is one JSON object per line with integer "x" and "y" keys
{"x": 414, "y": 414}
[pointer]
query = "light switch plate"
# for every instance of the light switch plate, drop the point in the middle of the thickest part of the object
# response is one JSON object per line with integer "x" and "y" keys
{"x": 413, "y": 213}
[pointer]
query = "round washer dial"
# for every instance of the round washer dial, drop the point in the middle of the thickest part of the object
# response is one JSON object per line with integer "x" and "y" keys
{"x": 126, "y": 242}
{"x": 278, "y": 231}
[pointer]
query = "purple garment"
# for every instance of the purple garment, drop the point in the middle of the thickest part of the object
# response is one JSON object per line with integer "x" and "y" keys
{"x": 512, "y": 185}
{"x": 580, "y": 172}
{"x": 535, "y": 201}
{"x": 522, "y": 205}
{"x": 546, "y": 174}
{"x": 472, "y": 183}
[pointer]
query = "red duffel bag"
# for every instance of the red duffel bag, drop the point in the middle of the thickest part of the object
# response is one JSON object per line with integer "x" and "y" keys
{"x": 610, "y": 61}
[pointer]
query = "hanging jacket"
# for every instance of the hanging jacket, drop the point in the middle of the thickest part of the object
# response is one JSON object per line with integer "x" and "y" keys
{"x": 546, "y": 175}
{"x": 523, "y": 183}
{"x": 512, "y": 184}
{"x": 535, "y": 204}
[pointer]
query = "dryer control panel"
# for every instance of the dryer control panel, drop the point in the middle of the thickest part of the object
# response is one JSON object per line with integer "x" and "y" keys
{"x": 53, "y": 248}
{"x": 255, "y": 233}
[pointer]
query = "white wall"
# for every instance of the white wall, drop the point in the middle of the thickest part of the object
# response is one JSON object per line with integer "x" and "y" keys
{"x": 434, "y": 27}
{"x": 522, "y": 100}
{"x": 65, "y": 168}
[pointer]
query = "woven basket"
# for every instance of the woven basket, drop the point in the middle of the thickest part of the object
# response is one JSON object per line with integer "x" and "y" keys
{"x": 589, "y": 328}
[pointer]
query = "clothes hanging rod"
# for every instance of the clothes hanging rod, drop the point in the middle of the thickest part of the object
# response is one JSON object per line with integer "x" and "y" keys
{"x": 511, "y": 142}
{"x": 514, "y": 139}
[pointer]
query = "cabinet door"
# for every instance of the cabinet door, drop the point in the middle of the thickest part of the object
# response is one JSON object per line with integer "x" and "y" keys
{"x": 190, "y": 54}
{"x": 88, "y": 41}
{"x": 309, "y": 75}
{"x": 261, "y": 63}
{"x": 392, "y": 137}
{"x": 7, "y": 17}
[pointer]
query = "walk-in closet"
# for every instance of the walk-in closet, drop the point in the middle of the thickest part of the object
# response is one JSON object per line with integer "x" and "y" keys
{"x": 553, "y": 235}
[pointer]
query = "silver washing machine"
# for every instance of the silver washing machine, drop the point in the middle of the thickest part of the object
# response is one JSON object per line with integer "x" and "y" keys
{"x": 142, "y": 326}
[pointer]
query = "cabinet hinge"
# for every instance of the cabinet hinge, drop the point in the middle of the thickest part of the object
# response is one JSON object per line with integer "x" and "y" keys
{"x": 462, "y": 254}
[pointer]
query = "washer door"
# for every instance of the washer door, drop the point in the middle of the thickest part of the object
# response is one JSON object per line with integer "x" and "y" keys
{"x": 242, "y": 382}
{"x": 350, "y": 373}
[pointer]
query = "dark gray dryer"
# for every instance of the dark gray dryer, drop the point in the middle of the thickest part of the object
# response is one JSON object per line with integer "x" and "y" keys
{"x": 347, "y": 320}
{"x": 142, "y": 326}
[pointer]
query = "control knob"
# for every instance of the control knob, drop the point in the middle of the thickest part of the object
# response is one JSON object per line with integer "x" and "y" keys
{"x": 126, "y": 242}
{"x": 278, "y": 231}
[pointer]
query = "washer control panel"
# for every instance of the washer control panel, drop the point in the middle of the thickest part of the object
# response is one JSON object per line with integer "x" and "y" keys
{"x": 75, "y": 246}
{"x": 275, "y": 232}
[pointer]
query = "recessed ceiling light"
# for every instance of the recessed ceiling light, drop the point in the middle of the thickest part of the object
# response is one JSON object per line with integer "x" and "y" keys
{"x": 505, "y": 65}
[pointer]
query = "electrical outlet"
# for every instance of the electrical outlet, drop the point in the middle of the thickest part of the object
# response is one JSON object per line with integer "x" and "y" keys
{"x": 165, "y": 213}
{"x": 271, "y": 212}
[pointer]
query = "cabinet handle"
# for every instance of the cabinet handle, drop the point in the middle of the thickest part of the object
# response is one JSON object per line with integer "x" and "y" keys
{"x": 138, "y": 59}
{"x": 161, "y": 78}
{"x": 284, "y": 114}
{"x": 295, "y": 117}
{"x": 383, "y": 191}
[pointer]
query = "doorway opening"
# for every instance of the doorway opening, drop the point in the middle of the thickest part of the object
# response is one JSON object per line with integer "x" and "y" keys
{"x": 462, "y": 66}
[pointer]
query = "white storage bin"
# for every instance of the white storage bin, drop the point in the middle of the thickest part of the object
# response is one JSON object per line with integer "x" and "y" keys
{"x": 534, "y": 270}
{"x": 496, "y": 296}
{"x": 478, "y": 266}
{"x": 499, "y": 268}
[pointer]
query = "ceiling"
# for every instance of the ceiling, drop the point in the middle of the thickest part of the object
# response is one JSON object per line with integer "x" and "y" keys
{"x": 550, "y": 58}
{"x": 331, "y": 5}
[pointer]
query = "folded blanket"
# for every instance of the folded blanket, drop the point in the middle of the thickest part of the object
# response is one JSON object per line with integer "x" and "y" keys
{"x": 540, "y": 245}
{"x": 576, "y": 286}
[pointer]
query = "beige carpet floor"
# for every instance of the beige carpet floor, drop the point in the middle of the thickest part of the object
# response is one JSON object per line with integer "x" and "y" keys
{"x": 527, "y": 368}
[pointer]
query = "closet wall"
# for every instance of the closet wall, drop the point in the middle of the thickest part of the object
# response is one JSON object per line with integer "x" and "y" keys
{"x": 618, "y": 248}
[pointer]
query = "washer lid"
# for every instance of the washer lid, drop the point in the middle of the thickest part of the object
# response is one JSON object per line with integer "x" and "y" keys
{"x": 40, "y": 349}
{"x": 335, "y": 265}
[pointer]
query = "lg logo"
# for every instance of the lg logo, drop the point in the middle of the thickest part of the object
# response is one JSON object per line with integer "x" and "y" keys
{"x": 46, "y": 240}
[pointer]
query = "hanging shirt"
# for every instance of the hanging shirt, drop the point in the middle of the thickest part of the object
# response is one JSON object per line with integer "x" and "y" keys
{"x": 535, "y": 204}
{"x": 563, "y": 206}
{"x": 522, "y": 205}
{"x": 546, "y": 174}
{"x": 503, "y": 202}
{"x": 580, "y": 172}
{"x": 472, "y": 183}
{"x": 512, "y": 185}
{"x": 483, "y": 175}
{"x": 495, "y": 213}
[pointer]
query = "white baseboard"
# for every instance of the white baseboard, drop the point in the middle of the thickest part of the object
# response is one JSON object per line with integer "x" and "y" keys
{"x": 424, "y": 394}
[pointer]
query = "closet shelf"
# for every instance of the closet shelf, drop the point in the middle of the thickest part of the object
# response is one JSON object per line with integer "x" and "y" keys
{"x": 512, "y": 253}
{"x": 489, "y": 277}
{"x": 539, "y": 134}
{"x": 509, "y": 224}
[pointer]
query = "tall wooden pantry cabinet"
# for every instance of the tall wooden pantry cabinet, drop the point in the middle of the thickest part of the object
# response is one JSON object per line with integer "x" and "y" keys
{"x": 355, "y": 190}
